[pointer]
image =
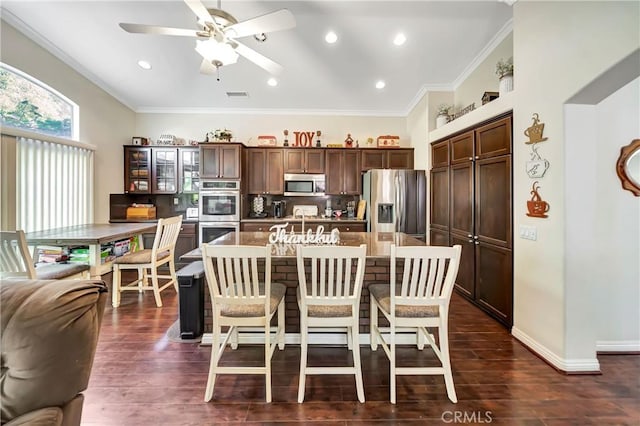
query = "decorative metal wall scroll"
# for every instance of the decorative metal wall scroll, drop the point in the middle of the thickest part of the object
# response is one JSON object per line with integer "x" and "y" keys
{"x": 537, "y": 166}
{"x": 537, "y": 207}
{"x": 534, "y": 133}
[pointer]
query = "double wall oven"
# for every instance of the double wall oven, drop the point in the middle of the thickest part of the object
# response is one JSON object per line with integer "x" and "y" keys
{"x": 219, "y": 205}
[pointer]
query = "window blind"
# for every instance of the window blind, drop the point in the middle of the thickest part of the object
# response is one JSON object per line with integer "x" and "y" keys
{"x": 54, "y": 185}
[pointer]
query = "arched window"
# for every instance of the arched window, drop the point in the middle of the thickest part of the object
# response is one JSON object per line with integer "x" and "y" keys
{"x": 29, "y": 104}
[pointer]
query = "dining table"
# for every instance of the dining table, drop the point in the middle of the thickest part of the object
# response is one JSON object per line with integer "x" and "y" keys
{"x": 92, "y": 236}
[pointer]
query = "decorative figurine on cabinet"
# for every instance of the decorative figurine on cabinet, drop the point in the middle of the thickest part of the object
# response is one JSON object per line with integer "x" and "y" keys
{"x": 318, "y": 134}
{"x": 348, "y": 142}
{"x": 286, "y": 140}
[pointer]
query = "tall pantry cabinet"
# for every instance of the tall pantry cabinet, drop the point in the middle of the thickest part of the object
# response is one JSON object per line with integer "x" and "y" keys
{"x": 471, "y": 205}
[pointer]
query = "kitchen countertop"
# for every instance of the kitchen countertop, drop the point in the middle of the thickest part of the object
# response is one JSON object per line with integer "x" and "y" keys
{"x": 307, "y": 219}
{"x": 378, "y": 243}
{"x": 147, "y": 220}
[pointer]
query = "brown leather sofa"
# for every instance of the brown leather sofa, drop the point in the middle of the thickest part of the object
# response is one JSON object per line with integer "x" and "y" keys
{"x": 49, "y": 336}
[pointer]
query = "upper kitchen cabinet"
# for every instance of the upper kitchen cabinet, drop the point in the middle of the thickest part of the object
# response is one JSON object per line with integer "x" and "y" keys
{"x": 189, "y": 170}
{"x": 220, "y": 161}
{"x": 264, "y": 171}
{"x": 164, "y": 170}
{"x": 304, "y": 160}
{"x": 342, "y": 172}
{"x": 137, "y": 170}
{"x": 393, "y": 158}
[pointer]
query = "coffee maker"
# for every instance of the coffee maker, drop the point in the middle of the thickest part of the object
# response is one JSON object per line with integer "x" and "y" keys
{"x": 278, "y": 208}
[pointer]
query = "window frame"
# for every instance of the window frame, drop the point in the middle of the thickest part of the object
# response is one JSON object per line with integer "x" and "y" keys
{"x": 75, "y": 108}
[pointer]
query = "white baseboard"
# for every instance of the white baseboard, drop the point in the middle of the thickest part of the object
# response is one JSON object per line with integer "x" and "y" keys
{"x": 618, "y": 346}
{"x": 563, "y": 364}
{"x": 330, "y": 337}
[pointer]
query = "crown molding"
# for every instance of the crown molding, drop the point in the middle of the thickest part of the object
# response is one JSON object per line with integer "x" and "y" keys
{"x": 51, "y": 48}
{"x": 422, "y": 91}
{"x": 506, "y": 29}
{"x": 268, "y": 111}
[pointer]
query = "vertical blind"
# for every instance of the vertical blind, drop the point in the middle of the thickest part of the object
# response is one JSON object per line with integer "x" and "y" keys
{"x": 54, "y": 185}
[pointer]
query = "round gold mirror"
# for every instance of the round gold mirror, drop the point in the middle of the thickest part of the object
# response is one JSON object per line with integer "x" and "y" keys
{"x": 628, "y": 167}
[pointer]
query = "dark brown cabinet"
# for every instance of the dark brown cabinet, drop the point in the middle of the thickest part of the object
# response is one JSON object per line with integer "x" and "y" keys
{"x": 393, "y": 158}
{"x": 150, "y": 170}
{"x": 187, "y": 241}
{"x": 220, "y": 161}
{"x": 161, "y": 170}
{"x": 480, "y": 212}
{"x": 342, "y": 172}
{"x": 137, "y": 170}
{"x": 189, "y": 170}
{"x": 303, "y": 160}
{"x": 164, "y": 170}
{"x": 265, "y": 171}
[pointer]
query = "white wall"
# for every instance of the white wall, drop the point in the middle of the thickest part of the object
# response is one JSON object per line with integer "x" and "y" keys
{"x": 483, "y": 78}
{"x": 559, "y": 48}
{"x": 603, "y": 228}
{"x": 247, "y": 127}
{"x": 617, "y": 224}
{"x": 104, "y": 122}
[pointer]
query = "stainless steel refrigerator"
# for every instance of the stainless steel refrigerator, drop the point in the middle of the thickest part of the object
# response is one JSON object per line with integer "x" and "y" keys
{"x": 396, "y": 201}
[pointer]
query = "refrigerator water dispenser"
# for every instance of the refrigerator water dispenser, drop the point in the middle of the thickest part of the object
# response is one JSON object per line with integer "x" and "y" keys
{"x": 385, "y": 213}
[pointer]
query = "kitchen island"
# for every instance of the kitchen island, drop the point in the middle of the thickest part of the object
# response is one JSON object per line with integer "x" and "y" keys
{"x": 284, "y": 268}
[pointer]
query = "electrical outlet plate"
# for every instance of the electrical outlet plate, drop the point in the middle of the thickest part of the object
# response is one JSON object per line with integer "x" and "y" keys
{"x": 528, "y": 232}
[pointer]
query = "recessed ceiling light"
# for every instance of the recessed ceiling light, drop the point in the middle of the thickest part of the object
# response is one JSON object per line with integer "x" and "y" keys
{"x": 272, "y": 82}
{"x": 380, "y": 84}
{"x": 331, "y": 37}
{"x": 399, "y": 39}
{"x": 144, "y": 65}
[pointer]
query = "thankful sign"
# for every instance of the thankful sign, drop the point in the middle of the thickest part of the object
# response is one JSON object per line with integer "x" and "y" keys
{"x": 279, "y": 235}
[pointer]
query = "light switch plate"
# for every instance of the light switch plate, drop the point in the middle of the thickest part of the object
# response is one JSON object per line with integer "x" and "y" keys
{"x": 528, "y": 232}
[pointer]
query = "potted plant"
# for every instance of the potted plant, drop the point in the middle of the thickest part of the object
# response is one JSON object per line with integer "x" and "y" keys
{"x": 443, "y": 114}
{"x": 504, "y": 71}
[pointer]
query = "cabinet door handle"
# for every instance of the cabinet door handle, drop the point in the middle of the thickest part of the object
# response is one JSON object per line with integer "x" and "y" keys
{"x": 477, "y": 242}
{"x": 475, "y": 237}
{"x": 469, "y": 236}
{"x": 470, "y": 241}
{"x": 477, "y": 157}
{"x": 470, "y": 158}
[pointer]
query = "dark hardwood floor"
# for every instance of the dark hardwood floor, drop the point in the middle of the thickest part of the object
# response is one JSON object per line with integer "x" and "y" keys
{"x": 139, "y": 377}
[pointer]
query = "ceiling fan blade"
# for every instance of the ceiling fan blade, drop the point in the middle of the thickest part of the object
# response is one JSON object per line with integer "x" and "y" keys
{"x": 152, "y": 29}
{"x": 198, "y": 8}
{"x": 258, "y": 59}
{"x": 279, "y": 20}
{"x": 206, "y": 67}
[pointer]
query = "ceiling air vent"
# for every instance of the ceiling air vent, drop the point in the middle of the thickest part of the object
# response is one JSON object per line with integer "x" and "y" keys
{"x": 237, "y": 95}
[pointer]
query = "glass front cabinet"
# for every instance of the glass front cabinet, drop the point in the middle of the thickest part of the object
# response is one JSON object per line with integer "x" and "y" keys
{"x": 189, "y": 170}
{"x": 137, "y": 170}
{"x": 160, "y": 170}
{"x": 164, "y": 170}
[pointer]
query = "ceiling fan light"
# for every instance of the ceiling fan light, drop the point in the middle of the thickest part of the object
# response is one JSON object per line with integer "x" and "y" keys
{"x": 399, "y": 39}
{"x": 331, "y": 37}
{"x": 212, "y": 51}
{"x": 145, "y": 65}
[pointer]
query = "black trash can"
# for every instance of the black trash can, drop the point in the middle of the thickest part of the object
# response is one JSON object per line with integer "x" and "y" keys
{"x": 191, "y": 284}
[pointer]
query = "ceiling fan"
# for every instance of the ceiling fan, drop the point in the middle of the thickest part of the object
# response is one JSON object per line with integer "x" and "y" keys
{"x": 218, "y": 33}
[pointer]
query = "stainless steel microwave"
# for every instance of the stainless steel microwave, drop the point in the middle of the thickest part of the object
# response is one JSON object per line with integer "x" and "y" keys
{"x": 303, "y": 185}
